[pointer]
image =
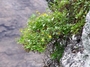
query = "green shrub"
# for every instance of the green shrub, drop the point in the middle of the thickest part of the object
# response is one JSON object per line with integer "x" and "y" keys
{"x": 67, "y": 18}
{"x": 42, "y": 29}
{"x": 76, "y": 11}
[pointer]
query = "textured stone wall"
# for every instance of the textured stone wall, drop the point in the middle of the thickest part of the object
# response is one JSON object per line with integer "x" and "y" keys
{"x": 86, "y": 41}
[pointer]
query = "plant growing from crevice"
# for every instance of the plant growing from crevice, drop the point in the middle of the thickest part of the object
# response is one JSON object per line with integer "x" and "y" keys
{"x": 76, "y": 11}
{"x": 67, "y": 18}
{"x": 43, "y": 29}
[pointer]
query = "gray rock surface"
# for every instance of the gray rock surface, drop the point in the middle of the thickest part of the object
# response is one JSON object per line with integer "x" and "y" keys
{"x": 13, "y": 16}
{"x": 86, "y": 41}
{"x": 72, "y": 55}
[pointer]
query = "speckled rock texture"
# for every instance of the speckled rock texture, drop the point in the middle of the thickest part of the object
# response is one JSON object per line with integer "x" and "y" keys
{"x": 13, "y": 16}
{"x": 72, "y": 55}
{"x": 86, "y": 41}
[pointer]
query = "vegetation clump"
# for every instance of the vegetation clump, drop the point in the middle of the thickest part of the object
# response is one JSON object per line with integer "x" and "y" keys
{"x": 67, "y": 18}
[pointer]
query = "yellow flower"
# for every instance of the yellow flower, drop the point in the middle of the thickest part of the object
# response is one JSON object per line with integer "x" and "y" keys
{"x": 50, "y": 36}
{"x": 43, "y": 39}
{"x": 44, "y": 14}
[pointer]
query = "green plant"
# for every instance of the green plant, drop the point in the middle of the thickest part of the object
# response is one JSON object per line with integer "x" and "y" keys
{"x": 42, "y": 29}
{"x": 66, "y": 19}
{"x": 76, "y": 11}
{"x": 58, "y": 51}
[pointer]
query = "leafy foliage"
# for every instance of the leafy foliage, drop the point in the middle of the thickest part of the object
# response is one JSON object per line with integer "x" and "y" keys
{"x": 76, "y": 11}
{"x": 42, "y": 29}
{"x": 67, "y": 18}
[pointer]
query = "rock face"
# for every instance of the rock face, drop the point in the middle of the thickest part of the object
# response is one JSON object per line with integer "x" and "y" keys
{"x": 77, "y": 54}
{"x": 72, "y": 55}
{"x": 86, "y": 41}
